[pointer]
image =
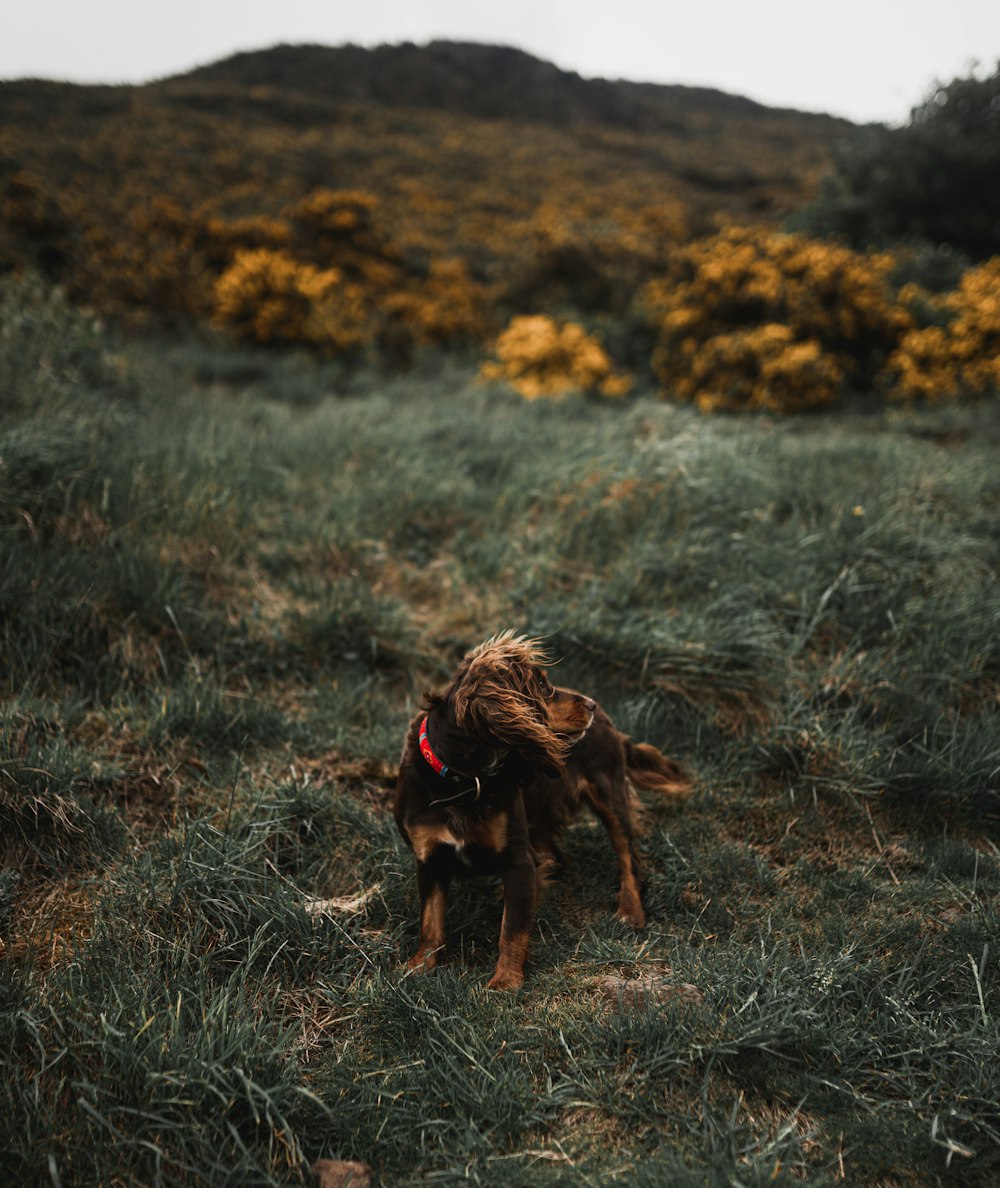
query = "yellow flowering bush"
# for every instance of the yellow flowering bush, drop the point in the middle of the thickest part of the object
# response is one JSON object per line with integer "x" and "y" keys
{"x": 221, "y": 238}
{"x": 763, "y": 368}
{"x": 338, "y": 228}
{"x": 449, "y": 306}
{"x": 337, "y": 212}
{"x": 167, "y": 257}
{"x": 271, "y": 297}
{"x": 539, "y": 356}
{"x": 960, "y": 356}
{"x": 752, "y": 318}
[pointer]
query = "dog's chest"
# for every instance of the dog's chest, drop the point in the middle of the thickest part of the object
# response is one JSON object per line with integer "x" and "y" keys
{"x": 465, "y": 838}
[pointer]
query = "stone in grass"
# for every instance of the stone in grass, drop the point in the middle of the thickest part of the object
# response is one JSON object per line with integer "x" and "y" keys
{"x": 341, "y": 1173}
{"x": 646, "y": 990}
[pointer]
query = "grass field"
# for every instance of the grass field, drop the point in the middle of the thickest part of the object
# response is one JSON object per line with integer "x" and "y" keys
{"x": 225, "y": 579}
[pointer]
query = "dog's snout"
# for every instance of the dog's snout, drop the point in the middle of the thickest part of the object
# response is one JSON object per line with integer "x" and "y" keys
{"x": 590, "y": 703}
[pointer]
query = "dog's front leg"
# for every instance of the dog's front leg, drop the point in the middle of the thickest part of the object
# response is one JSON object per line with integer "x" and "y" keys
{"x": 433, "y": 880}
{"x": 519, "y": 896}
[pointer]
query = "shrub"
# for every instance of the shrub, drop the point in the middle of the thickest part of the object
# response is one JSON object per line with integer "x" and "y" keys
{"x": 271, "y": 297}
{"x": 934, "y": 180}
{"x": 960, "y": 356}
{"x": 765, "y": 368}
{"x": 221, "y": 239}
{"x": 35, "y": 231}
{"x": 337, "y": 285}
{"x": 337, "y": 228}
{"x": 333, "y": 217}
{"x": 751, "y": 318}
{"x": 157, "y": 258}
{"x": 448, "y": 307}
{"x": 539, "y": 356}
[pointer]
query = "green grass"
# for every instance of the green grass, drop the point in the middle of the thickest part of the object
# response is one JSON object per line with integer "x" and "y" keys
{"x": 224, "y": 585}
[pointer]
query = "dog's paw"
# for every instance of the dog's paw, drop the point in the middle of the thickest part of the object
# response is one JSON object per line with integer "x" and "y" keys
{"x": 423, "y": 960}
{"x": 506, "y": 979}
{"x": 632, "y": 914}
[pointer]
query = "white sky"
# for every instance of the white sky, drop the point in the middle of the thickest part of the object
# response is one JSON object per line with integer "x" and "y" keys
{"x": 864, "y": 59}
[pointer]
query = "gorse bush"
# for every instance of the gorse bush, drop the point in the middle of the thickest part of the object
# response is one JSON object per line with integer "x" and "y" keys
{"x": 362, "y": 231}
{"x": 447, "y": 308}
{"x": 138, "y": 200}
{"x": 752, "y": 318}
{"x": 958, "y": 356}
{"x": 765, "y": 368}
{"x": 270, "y": 297}
{"x": 327, "y": 223}
{"x": 539, "y": 356}
{"x": 337, "y": 285}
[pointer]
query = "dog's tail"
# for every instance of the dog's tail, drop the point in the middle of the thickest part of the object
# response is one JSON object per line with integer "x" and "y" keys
{"x": 650, "y": 769}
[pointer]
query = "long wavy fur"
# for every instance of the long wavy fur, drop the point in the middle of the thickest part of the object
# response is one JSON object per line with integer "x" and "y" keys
{"x": 496, "y": 693}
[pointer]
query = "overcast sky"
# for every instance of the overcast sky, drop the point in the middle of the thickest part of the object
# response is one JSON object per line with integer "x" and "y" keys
{"x": 864, "y": 59}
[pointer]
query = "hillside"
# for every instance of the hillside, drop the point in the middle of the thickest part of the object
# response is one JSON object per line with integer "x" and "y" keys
{"x": 545, "y": 185}
{"x": 489, "y": 81}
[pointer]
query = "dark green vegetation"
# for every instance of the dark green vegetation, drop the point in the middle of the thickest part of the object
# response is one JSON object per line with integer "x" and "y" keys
{"x": 224, "y": 580}
{"x": 931, "y": 183}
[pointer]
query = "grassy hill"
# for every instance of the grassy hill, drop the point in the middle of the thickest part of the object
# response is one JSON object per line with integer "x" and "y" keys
{"x": 225, "y": 579}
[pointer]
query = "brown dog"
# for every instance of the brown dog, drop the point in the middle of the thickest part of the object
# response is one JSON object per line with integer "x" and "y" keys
{"x": 603, "y": 768}
{"x": 492, "y": 771}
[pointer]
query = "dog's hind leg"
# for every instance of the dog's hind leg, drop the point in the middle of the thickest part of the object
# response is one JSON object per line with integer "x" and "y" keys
{"x": 609, "y": 800}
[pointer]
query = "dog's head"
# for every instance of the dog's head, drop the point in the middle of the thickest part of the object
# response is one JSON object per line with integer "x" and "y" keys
{"x": 501, "y": 696}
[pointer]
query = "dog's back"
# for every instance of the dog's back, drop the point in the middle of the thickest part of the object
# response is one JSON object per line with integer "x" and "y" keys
{"x": 605, "y": 749}
{"x": 603, "y": 768}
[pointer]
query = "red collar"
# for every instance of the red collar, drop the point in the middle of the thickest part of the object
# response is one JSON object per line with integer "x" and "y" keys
{"x": 443, "y": 769}
{"x": 428, "y": 751}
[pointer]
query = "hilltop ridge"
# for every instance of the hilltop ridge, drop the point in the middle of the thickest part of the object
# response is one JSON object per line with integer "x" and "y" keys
{"x": 491, "y": 81}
